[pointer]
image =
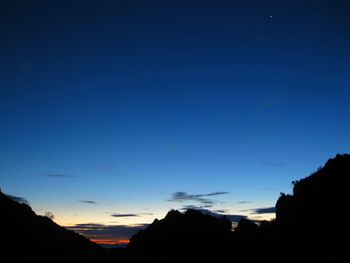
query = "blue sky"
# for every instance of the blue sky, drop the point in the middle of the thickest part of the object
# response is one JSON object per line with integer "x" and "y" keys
{"x": 126, "y": 103}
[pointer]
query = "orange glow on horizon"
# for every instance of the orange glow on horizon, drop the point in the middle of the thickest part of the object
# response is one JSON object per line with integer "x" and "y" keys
{"x": 110, "y": 241}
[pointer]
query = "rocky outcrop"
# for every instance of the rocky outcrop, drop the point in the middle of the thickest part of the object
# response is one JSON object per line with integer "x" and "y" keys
{"x": 27, "y": 237}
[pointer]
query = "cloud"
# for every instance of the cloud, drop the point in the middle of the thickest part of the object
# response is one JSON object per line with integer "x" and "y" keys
{"x": 274, "y": 164}
{"x": 216, "y": 193}
{"x": 125, "y": 215}
{"x": 183, "y": 197}
{"x": 222, "y": 211}
{"x": 86, "y": 226}
{"x": 57, "y": 175}
{"x": 131, "y": 215}
{"x": 88, "y": 202}
{"x": 18, "y": 199}
{"x": 199, "y": 208}
{"x": 216, "y": 213}
{"x": 244, "y": 202}
{"x": 107, "y": 234}
{"x": 264, "y": 210}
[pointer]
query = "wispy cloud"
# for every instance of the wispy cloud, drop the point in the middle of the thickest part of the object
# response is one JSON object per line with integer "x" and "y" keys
{"x": 57, "y": 175}
{"x": 130, "y": 215}
{"x": 215, "y": 193}
{"x": 88, "y": 202}
{"x": 264, "y": 210}
{"x": 261, "y": 210}
{"x": 18, "y": 199}
{"x": 244, "y": 202}
{"x": 200, "y": 198}
{"x": 221, "y": 211}
{"x": 125, "y": 215}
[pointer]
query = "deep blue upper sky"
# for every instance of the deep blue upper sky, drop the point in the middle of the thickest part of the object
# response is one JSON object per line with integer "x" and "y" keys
{"x": 125, "y": 103}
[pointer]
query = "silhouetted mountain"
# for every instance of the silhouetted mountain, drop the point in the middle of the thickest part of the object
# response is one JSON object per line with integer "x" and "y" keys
{"x": 181, "y": 234}
{"x": 310, "y": 225}
{"x": 246, "y": 229}
{"x": 313, "y": 222}
{"x": 323, "y": 195}
{"x": 28, "y": 237}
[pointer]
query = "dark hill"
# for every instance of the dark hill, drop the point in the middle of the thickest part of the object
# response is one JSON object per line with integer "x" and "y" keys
{"x": 181, "y": 235}
{"x": 313, "y": 222}
{"x": 323, "y": 195}
{"x": 311, "y": 225}
{"x": 27, "y": 237}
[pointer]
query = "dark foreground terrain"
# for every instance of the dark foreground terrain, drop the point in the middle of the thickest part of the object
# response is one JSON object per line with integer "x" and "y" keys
{"x": 311, "y": 225}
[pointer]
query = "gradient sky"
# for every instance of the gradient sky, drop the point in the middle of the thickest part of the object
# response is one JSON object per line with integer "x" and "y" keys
{"x": 114, "y": 112}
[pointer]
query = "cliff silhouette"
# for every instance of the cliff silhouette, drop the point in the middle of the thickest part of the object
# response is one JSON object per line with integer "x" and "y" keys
{"x": 313, "y": 222}
{"x": 181, "y": 235}
{"x": 311, "y": 225}
{"x": 27, "y": 237}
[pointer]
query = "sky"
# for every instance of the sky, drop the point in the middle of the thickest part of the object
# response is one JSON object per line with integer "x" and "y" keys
{"x": 114, "y": 112}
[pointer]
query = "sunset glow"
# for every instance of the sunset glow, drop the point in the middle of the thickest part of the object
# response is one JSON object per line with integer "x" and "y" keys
{"x": 110, "y": 242}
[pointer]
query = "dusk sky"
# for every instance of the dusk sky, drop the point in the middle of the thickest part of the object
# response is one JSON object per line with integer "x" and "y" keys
{"x": 114, "y": 112}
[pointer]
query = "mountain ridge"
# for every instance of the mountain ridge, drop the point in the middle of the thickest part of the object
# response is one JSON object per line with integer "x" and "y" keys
{"x": 26, "y": 235}
{"x": 310, "y": 224}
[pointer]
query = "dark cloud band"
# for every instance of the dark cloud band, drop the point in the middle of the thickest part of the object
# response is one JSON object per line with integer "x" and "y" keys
{"x": 131, "y": 215}
{"x": 264, "y": 210}
{"x": 201, "y": 198}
